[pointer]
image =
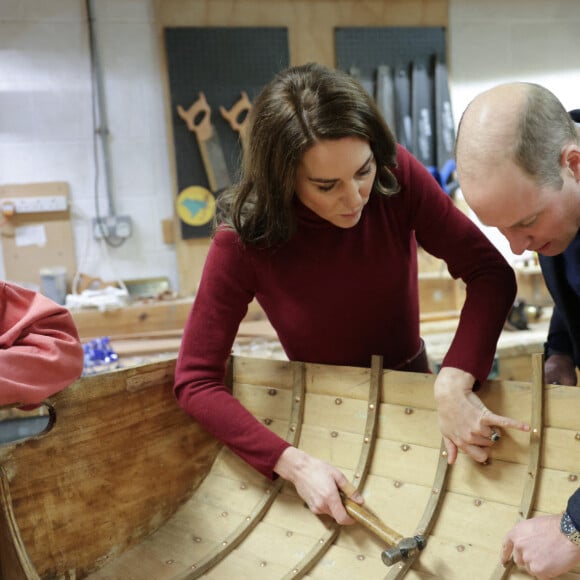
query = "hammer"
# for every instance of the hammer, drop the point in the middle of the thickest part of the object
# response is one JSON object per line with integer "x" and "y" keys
{"x": 400, "y": 548}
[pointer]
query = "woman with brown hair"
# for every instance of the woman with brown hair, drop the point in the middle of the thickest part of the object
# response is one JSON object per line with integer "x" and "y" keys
{"x": 322, "y": 229}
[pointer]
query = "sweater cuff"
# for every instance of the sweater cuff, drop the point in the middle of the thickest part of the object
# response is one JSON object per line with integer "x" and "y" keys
{"x": 573, "y": 508}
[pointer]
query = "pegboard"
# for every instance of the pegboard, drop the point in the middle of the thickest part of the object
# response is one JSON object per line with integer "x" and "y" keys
{"x": 367, "y": 48}
{"x": 221, "y": 62}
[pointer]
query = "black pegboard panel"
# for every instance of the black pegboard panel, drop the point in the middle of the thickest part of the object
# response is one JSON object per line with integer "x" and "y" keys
{"x": 221, "y": 62}
{"x": 368, "y": 48}
{"x": 410, "y": 54}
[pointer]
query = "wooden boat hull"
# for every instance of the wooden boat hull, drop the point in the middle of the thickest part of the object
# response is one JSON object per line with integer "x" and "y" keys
{"x": 125, "y": 486}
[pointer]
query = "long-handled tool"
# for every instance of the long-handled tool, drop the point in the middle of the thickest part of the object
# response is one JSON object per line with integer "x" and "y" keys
{"x": 400, "y": 548}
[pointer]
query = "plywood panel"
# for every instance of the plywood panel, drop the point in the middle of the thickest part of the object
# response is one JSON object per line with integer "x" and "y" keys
{"x": 50, "y": 242}
{"x": 311, "y": 25}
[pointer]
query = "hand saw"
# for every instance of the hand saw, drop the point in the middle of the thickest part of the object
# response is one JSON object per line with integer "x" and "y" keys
{"x": 238, "y": 116}
{"x": 198, "y": 120}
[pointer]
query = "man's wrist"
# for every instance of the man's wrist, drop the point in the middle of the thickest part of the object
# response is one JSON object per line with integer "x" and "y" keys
{"x": 568, "y": 528}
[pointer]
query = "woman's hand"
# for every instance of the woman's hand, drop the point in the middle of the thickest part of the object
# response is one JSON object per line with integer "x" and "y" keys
{"x": 465, "y": 422}
{"x": 317, "y": 483}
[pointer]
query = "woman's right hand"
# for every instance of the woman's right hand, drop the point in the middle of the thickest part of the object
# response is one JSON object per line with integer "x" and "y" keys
{"x": 317, "y": 483}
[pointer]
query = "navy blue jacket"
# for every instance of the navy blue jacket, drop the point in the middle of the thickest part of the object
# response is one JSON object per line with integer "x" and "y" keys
{"x": 564, "y": 333}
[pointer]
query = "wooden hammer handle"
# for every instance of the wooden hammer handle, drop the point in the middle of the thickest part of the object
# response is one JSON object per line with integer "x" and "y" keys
{"x": 369, "y": 519}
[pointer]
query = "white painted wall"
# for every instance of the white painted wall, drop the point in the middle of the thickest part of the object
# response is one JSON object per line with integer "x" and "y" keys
{"x": 497, "y": 41}
{"x": 46, "y": 130}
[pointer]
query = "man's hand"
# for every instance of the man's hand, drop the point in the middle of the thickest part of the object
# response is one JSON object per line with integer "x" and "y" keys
{"x": 538, "y": 546}
{"x": 465, "y": 422}
{"x": 317, "y": 483}
{"x": 559, "y": 369}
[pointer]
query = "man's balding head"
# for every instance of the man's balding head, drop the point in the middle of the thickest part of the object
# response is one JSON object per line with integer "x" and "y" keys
{"x": 518, "y": 165}
{"x": 488, "y": 129}
{"x": 521, "y": 123}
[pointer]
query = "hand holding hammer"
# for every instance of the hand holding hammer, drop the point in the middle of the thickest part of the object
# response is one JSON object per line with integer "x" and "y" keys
{"x": 400, "y": 548}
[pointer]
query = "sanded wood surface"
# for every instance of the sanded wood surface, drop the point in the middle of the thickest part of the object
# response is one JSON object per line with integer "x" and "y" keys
{"x": 134, "y": 476}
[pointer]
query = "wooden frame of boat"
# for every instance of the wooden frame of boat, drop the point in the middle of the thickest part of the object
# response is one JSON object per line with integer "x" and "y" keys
{"x": 125, "y": 486}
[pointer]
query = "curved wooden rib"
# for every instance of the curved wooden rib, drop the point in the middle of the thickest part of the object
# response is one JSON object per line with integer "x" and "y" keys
{"x": 536, "y": 433}
{"x": 361, "y": 471}
{"x": 431, "y": 510}
{"x": 253, "y": 519}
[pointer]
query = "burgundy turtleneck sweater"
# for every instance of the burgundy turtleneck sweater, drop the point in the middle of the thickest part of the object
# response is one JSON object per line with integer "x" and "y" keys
{"x": 338, "y": 296}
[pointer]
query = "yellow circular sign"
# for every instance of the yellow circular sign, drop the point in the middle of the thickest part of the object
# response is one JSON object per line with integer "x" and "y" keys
{"x": 196, "y": 205}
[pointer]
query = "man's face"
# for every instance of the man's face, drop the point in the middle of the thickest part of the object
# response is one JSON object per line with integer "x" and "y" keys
{"x": 539, "y": 219}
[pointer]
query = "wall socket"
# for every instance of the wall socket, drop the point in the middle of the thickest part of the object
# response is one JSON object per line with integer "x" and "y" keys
{"x": 38, "y": 204}
{"x": 118, "y": 226}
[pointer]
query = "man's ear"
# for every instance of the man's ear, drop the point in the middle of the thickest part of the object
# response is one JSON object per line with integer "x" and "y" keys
{"x": 570, "y": 160}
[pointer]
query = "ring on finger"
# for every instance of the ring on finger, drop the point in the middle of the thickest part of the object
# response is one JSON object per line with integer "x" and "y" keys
{"x": 495, "y": 436}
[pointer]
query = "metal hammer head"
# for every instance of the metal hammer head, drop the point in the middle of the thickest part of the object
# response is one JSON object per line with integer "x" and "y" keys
{"x": 406, "y": 548}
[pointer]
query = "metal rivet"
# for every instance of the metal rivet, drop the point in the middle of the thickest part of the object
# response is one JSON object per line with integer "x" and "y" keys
{"x": 334, "y": 434}
{"x": 401, "y": 566}
{"x": 292, "y": 428}
{"x": 577, "y": 436}
{"x": 371, "y": 406}
{"x": 408, "y": 411}
{"x": 224, "y": 514}
{"x": 443, "y": 453}
{"x": 193, "y": 566}
{"x": 224, "y": 543}
{"x": 535, "y": 431}
{"x": 321, "y": 541}
{"x": 170, "y": 561}
{"x": 405, "y": 447}
{"x": 477, "y": 502}
{"x": 268, "y": 421}
{"x": 297, "y": 399}
{"x": 289, "y": 533}
{"x": 272, "y": 392}
{"x": 572, "y": 477}
{"x": 460, "y": 548}
{"x": 360, "y": 557}
{"x": 197, "y": 540}
{"x": 366, "y": 440}
{"x": 420, "y": 531}
{"x": 248, "y": 518}
{"x": 338, "y": 401}
{"x": 263, "y": 564}
{"x": 243, "y": 486}
{"x": 357, "y": 475}
{"x": 434, "y": 491}
{"x": 397, "y": 483}
{"x": 295, "y": 571}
